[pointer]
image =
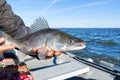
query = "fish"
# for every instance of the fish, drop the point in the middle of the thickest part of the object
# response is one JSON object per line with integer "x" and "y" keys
{"x": 47, "y": 39}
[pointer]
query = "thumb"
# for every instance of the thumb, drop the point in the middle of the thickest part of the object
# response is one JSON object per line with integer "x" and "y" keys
{"x": 1, "y": 40}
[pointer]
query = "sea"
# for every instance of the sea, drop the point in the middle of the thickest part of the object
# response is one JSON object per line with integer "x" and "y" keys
{"x": 101, "y": 43}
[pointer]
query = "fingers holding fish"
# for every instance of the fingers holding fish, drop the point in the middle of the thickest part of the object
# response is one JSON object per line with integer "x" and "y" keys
{"x": 35, "y": 50}
{"x": 48, "y": 53}
{"x": 3, "y": 48}
{"x": 1, "y": 40}
{"x": 57, "y": 53}
{"x": 51, "y": 53}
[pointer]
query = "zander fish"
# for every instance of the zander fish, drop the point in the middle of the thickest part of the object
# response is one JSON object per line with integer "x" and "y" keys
{"x": 47, "y": 39}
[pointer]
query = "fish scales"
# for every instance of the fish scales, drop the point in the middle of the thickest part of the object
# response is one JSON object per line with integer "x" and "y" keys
{"x": 48, "y": 39}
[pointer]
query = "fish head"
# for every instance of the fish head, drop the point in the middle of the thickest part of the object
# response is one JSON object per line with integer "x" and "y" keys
{"x": 66, "y": 42}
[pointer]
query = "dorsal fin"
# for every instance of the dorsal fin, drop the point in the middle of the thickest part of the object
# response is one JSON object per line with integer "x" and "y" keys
{"x": 39, "y": 24}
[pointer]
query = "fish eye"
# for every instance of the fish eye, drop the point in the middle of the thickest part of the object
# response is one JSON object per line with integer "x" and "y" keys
{"x": 70, "y": 41}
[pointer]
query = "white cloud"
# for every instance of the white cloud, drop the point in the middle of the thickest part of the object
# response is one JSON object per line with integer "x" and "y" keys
{"x": 49, "y": 5}
{"x": 80, "y": 6}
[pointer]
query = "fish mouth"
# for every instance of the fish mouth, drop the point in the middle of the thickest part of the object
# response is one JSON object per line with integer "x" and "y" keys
{"x": 82, "y": 45}
{"x": 79, "y": 46}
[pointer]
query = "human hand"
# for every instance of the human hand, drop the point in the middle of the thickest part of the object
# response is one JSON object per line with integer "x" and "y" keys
{"x": 49, "y": 53}
{"x": 4, "y": 48}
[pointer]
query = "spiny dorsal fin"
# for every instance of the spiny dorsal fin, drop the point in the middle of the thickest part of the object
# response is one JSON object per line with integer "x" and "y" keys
{"x": 39, "y": 24}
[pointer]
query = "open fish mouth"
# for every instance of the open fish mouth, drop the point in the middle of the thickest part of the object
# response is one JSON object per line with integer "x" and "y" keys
{"x": 77, "y": 47}
{"x": 80, "y": 46}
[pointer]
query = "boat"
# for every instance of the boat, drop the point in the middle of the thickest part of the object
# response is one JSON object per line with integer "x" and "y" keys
{"x": 71, "y": 67}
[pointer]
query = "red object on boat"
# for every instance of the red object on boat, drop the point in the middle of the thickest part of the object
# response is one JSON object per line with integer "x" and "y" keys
{"x": 12, "y": 69}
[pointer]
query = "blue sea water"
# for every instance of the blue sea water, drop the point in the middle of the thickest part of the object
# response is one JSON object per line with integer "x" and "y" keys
{"x": 102, "y": 43}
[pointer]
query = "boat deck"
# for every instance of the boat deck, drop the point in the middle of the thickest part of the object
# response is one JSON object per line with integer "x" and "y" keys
{"x": 65, "y": 67}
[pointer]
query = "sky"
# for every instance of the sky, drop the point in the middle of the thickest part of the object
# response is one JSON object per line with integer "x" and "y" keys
{"x": 70, "y": 13}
